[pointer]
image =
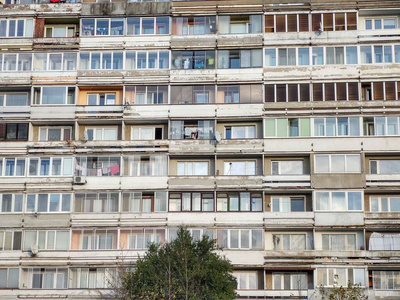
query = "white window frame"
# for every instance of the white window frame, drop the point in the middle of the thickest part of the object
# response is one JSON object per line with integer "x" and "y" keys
{"x": 290, "y": 236}
{"x": 249, "y": 164}
{"x": 379, "y": 201}
{"x": 62, "y": 129}
{"x": 107, "y": 100}
{"x": 240, "y": 232}
{"x": 247, "y": 131}
{"x": 25, "y": 26}
{"x": 7, "y": 237}
{"x": 45, "y": 235}
{"x": 63, "y": 169}
{"x": 190, "y": 168}
{"x": 66, "y": 26}
{"x": 4, "y": 95}
{"x": 327, "y": 275}
{"x": 330, "y": 201}
{"x": 378, "y": 171}
{"x": 346, "y": 241}
{"x": 14, "y": 206}
{"x": 98, "y": 133}
{"x": 67, "y": 197}
{"x": 3, "y": 162}
{"x": 279, "y": 164}
{"x": 292, "y": 277}
{"x": 288, "y": 199}
{"x": 388, "y": 280}
{"x": 330, "y": 164}
{"x": 249, "y": 278}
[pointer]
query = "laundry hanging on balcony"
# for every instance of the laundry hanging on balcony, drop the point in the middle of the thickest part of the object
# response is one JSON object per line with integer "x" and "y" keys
{"x": 383, "y": 241}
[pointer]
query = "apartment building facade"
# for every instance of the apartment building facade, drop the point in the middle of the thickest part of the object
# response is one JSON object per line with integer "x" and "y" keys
{"x": 272, "y": 127}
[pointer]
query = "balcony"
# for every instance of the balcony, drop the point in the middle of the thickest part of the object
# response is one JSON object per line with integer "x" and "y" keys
{"x": 289, "y": 220}
{"x": 286, "y": 182}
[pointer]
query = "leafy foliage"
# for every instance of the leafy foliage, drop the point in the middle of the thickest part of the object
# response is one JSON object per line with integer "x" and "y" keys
{"x": 181, "y": 269}
{"x": 351, "y": 292}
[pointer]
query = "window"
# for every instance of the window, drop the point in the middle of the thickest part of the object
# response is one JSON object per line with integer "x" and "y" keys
{"x": 239, "y": 24}
{"x": 146, "y": 165}
{"x": 10, "y": 240}
{"x": 55, "y": 133}
{"x": 381, "y": 126}
{"x": 287, "y": 92}
{"x": 12, "y": 166}
{"x": 338, "y": 201}
{"x": 191, "y": 201}
{"x": 334, "y": 55}
{"x": 101, "y": 134}
{"x": 139, "y": 95}
{"x": 184, "y": 60}
{"x": 103, "y": 26}
{"x": 240, "y": 168}
{"x": 98, "y": 166}
{"x": 386, "y": 280}
{"x": 377, "y": 54}
{"x": 301, "y": 22}
{"x": 94, "y": 239}
{"x": 16, "y": 27}
{"x": 14, "y": 99}
{"x": 46, "y": 240}
{"x": 199, "y": 130}
{"x": 194, "y": 25}
{"x": 11, "y": 203}
{"x": 147, "y": 25}
{"x": 9, "y": 278}
{"x": 289, "y": 281}
{"x": 385, "y": 204}
{"x": 189, "y": 168}
{"x": 239, "y": 201}
{"x": 14, "y": 131}
{"x": 145, "y": 202}
{"x": 196, "y": 94}
{"x": 380, "y": 23}
{"x": 146, "y": 60}
{"x": 16, "y": 62}
{"x": 287, "y": 127}
{"x": 239, "y": 93}
{"x": 384, "y": 241}
{"x": 53, "y": 203}
{"x": 97, "y": 202}
{"x": 287, "y": 167}
{"x": 289, "y": 241}
{"x": 140, "y": 239}
{"x": 45, "y": 278}
{"x": 240, "y": 132}
{"x": 339, "y": 242}
{"x": 337, "y": 163}
{"x": 251, "y": 239}
{"x": 54, "y": 95}
{"x": 384, "y": 166}
{"x": 246, "y": 280}
{"x": 101, "y": 61}
{"x": 54, "y": 61}
{"x": 288, "y": 204}
{"x": 50, "y": 166}
{"x": 330, "y": 277}
{"x": 197, "y": 233}
{"x": 343, "y": 126}
{"x": 235, "y": 59}
{"x": 92, "y": 278}
{"x": 146, "y": 133}
{"x": 60, "y": 31}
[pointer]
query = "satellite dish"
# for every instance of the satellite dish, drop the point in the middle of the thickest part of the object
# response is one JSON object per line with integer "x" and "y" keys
{"x": 34, "y": 249}
{"x": 217, "y": 136}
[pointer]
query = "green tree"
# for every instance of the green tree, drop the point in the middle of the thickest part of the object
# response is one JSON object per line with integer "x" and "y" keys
{"x": 349, "y": 292}
{"x": 181, "y": 269}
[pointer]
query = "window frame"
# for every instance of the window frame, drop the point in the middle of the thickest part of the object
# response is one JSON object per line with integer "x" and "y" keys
{"x": 64, "y": 200}
{"x": 63, "y": 130}
{"x": 330, "y": 201}
{"x": 225, "y": 206}
{"x": 247, "y": 170}
{"x": 176, "y": 202}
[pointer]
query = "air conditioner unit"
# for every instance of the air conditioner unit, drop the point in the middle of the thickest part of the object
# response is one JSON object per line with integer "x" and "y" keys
{"x": 79, "y": 179}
